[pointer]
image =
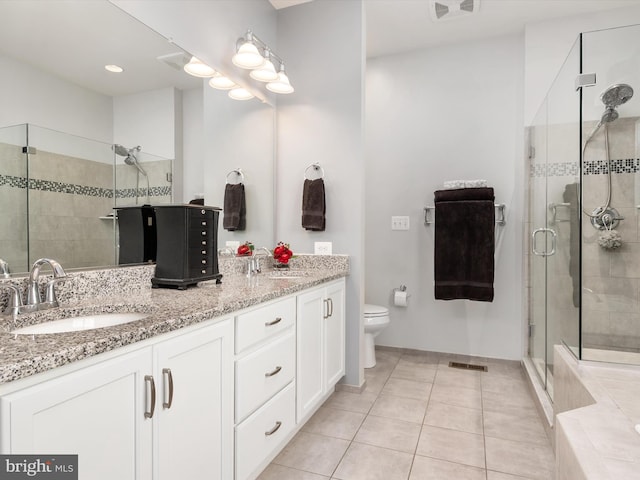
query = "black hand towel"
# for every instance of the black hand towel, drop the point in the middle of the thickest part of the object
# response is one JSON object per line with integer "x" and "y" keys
{"x": 313, "y": 205}
{"x": 235, "y": 210}
{"x": 464, "y": 244}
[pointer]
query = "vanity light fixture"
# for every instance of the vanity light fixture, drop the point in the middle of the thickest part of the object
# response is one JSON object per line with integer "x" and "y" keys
{"x": 252, "y": 53}
{"x": 199, "y": 69}
{"x": 114, "y": 68}
{"x": 240, "y": 93}
{"x": 221, "y": 82}
{"x": 282, "y": 84}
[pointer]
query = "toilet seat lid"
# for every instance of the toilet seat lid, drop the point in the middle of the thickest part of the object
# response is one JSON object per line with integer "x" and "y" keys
{"x": 375, "y": 311}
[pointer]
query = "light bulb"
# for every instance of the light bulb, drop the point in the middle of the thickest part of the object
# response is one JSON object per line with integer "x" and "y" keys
{"x": 240, "y": 94}
{"x": 247, "y": 56}
{"x": 265, "y": 73}
{"x": 282, "y": 85}
{"x": 221, "y": 82}
{"x": 196, "y": 68}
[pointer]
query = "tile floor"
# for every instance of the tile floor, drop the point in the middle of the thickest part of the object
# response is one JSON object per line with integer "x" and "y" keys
{"x": 419, "y": 419}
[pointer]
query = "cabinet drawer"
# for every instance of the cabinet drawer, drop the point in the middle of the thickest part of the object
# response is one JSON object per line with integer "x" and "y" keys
{"x": 253, "y": 327}
{"x": 264, "y": 431}
{"x": 262, "y": 373}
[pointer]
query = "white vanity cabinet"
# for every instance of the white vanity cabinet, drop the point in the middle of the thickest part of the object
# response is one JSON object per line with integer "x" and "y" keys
{"x": 124, "y": 420}
{"x": 320, "y": 345}
{"x": 96, "y": 412}
{"x": 265, "y": 384}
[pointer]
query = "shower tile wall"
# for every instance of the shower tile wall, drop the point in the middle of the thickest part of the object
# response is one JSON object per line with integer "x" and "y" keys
{"x": 160, "y": 183}
{"x": 611, "y": 278}
{"x": 13, "y": 207}
{"x": 67, "y": 197}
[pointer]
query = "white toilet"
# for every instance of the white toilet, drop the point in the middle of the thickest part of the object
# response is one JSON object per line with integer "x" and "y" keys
{"x": 376, "y": 318}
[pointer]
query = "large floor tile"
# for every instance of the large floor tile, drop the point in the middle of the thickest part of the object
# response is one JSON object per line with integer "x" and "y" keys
{"x": 491, "y": 475}
{"x": 431, "y": 359}
{"x": 334, "y": 423}
{"x": 513, "y": 403}
{"x": 514, "y": 427}
{"x": 417, "y": 372}
{"x": 454, "y": 395}
{"x": 454, "y": 417}
{"x": 278, "y": 472}
{"x": 366, "y": 462}
{"x": 389, "y": 433}
{"x": 457, "y": 378}
{"x": 452, "y": 445}
{"x": 520, "y": 458}
{"x": 407, "y": 388}
{"x": 313, "y": 453}
{"x": 400, "y": 408}
{"x": 353, "y": 402}
{"x": 425, "y": 468}
{"x": 502, "y": 384}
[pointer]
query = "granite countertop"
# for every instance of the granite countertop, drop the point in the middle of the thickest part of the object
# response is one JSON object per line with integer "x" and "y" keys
{"x": 168, "y": 310}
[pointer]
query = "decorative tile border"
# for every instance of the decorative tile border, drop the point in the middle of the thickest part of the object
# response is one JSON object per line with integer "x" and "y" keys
{"x": 75, "y": 189}
{"x": 594, "y": 167}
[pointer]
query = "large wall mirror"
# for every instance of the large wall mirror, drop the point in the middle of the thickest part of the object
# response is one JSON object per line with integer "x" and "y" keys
{"x": 62, "y": 113}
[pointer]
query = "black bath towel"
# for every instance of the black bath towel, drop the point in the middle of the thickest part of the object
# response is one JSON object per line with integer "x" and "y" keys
{"x": 464, "y": 244}
{"x": 235, "y": 209}
{"x": 313, "y": 205}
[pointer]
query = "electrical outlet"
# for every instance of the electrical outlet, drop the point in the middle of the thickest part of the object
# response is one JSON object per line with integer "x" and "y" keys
{"x": 322, "y": 248}
{"x": 399, "y": 223}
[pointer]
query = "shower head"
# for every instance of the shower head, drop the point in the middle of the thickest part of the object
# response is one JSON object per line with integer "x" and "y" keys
{"x": 609, "y": 115}
{"x": 616, "y": 95}
{"x": 120, "y": 150}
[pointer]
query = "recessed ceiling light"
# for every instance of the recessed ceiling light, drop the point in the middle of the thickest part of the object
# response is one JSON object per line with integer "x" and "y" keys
{"x": 114, "y": 68}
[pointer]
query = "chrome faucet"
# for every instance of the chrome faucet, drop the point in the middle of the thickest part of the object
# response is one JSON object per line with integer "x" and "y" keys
{"x": 34, "y": 301}
{"x": 4, "y": 269}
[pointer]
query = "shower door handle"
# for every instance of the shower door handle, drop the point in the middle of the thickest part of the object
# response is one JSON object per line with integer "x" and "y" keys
{"x": 553, "y": 242}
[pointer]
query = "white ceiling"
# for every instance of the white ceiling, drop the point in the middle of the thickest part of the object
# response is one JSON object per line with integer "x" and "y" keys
{"x": 395, "y": 26}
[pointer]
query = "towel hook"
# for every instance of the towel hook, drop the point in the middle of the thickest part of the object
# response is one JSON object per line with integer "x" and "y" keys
{"x": 316, "y": 168}
{"x": 239, "y": 175}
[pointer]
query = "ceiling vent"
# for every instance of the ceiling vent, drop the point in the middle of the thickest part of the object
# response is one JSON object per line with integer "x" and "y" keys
{"x": 452, "y": 9}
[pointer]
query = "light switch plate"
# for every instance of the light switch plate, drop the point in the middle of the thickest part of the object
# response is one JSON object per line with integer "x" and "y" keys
{"x": 399, "y": 223}
{"x": 322, "y": 248}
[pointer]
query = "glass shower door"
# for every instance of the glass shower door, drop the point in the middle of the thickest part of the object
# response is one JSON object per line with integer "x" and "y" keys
{"x": 555, "y": 221}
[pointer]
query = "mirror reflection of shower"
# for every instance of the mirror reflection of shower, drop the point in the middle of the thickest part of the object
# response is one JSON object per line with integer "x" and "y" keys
{"x": 604, "y": 216}
{"x": 131, "y": 158}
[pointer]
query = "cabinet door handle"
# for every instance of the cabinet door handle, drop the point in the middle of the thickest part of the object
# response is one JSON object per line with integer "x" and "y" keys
{"x": 273, "y": 430}
{"x": 273, "y": 322}
{"x": 152, "y": 386}
{"x": 274, "y": 372}
{"x": 330, "y": 301}
{"x": 166, "y": 373}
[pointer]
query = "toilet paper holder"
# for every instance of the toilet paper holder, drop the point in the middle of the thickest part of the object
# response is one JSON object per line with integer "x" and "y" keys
{"x": 403, "y": 288}
{"x": 400, "y": 296}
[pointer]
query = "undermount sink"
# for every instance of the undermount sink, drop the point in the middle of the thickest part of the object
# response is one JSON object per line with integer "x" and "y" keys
{"x": 76, "y": 324}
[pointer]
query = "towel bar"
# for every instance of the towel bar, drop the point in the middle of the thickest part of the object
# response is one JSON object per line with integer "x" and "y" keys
{"x": 238, "y": 173}
{"x": 553, "y": 208}
{"x": 500, "y": 220}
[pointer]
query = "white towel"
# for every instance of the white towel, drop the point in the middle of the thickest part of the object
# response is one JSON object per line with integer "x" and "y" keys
{"x": 451, "y": 184}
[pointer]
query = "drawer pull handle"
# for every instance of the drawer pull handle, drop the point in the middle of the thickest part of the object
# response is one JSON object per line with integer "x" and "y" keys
{"x": 203, "y": 212}
{"x": 203, "y": 271}
{"x": 273, "y": 430}
{"x": 152, "y": 386}
{"x": 273, "y": 322}
{"x": 167, "y": 372}
{"x": 204, "y": 252}
{"x": 274, "y": 372}
{"x": 204, "y": 262}
{"x": 204, "y": 224}
{"x": 204, "y": 233}
{"x": 204, "y": 242}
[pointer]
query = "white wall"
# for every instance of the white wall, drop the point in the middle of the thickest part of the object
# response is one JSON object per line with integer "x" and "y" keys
{"x": 322, "y": 43}
{"x": 548, "y": 43}
{"x": 193, "y": 140}
{"x": 440, "y": 114}
{"x": 33, "y": 96}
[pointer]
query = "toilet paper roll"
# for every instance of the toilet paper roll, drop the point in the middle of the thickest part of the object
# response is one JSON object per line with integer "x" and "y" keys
{"x": 400, "y": 298}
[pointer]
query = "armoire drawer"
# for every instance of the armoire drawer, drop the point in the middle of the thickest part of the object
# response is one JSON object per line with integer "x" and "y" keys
{"x": 264, "y": 431}
{"x": 255, "y": 326}
{"x": 261, "y": 374}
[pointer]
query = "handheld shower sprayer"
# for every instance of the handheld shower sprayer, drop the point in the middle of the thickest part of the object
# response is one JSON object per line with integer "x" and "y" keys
{"x": 131, "y": 158}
